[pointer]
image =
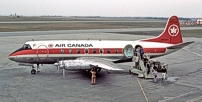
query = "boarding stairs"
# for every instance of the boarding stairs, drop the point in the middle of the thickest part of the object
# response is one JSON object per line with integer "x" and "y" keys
{"x": 140, "y": 69}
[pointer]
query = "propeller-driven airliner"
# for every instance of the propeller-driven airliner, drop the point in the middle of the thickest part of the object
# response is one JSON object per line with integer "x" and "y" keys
{"x": 103, "y": 54}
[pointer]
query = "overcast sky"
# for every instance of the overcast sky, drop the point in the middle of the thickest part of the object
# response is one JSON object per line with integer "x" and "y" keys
{"x": 111, "y": 8}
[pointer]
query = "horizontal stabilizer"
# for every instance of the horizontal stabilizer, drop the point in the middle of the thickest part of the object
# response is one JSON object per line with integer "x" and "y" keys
{"x": 179, "y": 46}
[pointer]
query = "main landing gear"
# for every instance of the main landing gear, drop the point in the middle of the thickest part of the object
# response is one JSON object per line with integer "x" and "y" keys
{"x": 33, "y": 71}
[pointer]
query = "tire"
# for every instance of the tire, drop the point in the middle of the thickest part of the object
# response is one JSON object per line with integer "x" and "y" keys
{"x": 33, "y": 71}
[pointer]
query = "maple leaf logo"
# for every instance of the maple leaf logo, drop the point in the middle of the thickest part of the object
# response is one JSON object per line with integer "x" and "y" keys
{"x": 50, "y": 45}
{"x": 173, "y": 30}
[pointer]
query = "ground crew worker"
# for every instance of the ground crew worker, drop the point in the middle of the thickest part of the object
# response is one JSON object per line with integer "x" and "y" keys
{"x": 164, "y": 71}
{"x": 93, "y": 78}
{"x": 155, "y": 74}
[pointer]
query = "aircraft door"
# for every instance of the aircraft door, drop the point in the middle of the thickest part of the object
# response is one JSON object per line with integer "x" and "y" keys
{"x": 42, "y": 52}
{"x": 128, "y": 51}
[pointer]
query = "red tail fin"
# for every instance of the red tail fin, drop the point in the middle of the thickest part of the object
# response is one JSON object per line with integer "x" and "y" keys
{"x": 171, "y": 33}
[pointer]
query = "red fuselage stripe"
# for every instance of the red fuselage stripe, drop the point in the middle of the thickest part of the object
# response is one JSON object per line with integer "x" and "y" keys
{"x": 82, "y": 51}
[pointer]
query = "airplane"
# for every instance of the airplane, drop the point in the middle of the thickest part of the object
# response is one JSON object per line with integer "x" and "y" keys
{"x": 102, "y": 54}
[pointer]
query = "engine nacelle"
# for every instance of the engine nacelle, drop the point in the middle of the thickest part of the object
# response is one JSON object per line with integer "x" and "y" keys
{"x": 128, "y": 51}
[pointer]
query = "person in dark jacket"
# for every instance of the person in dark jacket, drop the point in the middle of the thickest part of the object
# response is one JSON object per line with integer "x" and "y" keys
{"x": 164, "y": 71}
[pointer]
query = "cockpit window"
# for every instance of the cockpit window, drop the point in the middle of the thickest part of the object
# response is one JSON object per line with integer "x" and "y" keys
{"x": 26, "y": 46}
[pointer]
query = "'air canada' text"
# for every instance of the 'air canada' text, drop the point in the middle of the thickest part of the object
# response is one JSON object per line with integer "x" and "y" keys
{"x": 73, "y": 45}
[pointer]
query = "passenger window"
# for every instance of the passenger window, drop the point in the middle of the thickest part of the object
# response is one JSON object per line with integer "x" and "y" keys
{"x": 101, "y": 51}
{"x": 70, "y": 50}
{"x": 116, "y": 50}
{"x": 108, "y": 50}
{"x": 94, "y": 50}
{"x": 62, "y": 51}
{"x": 78, "y": 51}
{"x": 86, "y": 51}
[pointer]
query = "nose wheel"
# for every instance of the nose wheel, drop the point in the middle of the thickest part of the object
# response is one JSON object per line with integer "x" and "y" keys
{"x": 33, "y": 71}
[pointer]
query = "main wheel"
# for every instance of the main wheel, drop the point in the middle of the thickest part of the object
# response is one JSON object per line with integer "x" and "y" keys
{"x": 33, "y": 71}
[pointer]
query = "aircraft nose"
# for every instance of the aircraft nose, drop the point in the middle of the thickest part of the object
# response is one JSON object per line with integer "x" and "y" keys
{"x": 12, "y": 58}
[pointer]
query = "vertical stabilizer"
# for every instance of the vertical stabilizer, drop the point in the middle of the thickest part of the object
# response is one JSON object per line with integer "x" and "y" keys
{"x": 171, "y": 33}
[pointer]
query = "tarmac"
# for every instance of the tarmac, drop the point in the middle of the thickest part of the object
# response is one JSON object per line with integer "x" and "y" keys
{"x": 18, "y": 85}
{"x": 86, "y": 31}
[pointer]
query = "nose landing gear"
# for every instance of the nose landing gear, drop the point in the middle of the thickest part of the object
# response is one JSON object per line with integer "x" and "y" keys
{"x": 33, "y": 71}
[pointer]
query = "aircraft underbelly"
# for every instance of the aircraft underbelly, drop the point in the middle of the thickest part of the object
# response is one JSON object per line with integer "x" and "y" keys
{"x": 43, "y": 59}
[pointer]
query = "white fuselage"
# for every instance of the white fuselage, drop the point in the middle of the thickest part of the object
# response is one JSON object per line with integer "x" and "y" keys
{"x": 52, "y": 51}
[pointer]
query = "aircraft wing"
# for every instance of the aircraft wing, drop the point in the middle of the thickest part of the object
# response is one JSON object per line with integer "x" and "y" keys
{"x": 84, "y": 63}
{"x": 102, "y": 63}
